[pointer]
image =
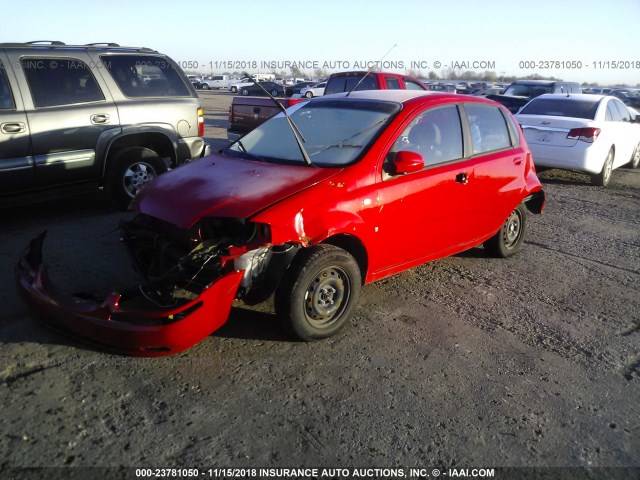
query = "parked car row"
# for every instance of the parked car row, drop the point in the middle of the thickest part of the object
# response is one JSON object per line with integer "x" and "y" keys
{"x": 375, "y": 159}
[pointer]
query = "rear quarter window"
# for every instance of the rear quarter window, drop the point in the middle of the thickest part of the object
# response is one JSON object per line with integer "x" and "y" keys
{"x": 146, "y": 76}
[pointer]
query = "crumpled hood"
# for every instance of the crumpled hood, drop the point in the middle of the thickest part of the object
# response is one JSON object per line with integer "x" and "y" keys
{"x": 223, "y": 186}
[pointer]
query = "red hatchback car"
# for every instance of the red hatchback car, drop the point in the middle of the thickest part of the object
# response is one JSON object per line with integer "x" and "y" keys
{"x": 348, "y": 190}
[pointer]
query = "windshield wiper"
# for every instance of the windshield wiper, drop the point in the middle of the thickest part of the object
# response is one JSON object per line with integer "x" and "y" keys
{"x": 294, "y": 128}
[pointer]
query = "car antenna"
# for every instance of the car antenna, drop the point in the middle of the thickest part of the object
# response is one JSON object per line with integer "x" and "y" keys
{"x": 294, "y": 128}
{"x": 370, "y": 70}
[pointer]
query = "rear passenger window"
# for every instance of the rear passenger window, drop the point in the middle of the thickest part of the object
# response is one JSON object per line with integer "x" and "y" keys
{"x": 6, "y": 99}
{"x": 60, "y": 81}
{"x": 488, "y": 128}
{"x": 146, "y": 76}
{"x": 623, "y": 112}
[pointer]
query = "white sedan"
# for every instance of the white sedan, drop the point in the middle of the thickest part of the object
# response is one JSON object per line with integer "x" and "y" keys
{"x": 314, "y": 90}
{"x": 590, "y": 133}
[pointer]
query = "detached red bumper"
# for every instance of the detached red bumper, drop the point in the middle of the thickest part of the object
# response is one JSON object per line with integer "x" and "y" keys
{"x": 145, "y": 333}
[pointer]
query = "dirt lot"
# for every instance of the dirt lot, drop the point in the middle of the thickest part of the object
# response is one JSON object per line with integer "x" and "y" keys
{"x": 464, "y": 362}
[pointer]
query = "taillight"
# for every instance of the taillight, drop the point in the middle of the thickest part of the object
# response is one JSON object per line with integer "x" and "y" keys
{"x": 201, "y": 122}
{"x": 587, "y": 134}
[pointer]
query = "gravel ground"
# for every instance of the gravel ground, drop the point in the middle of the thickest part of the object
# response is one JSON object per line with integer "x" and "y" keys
{"x": 464, "y": 362}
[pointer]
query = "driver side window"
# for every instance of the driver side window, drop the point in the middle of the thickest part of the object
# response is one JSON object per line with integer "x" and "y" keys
{"x": 436, "y": 134}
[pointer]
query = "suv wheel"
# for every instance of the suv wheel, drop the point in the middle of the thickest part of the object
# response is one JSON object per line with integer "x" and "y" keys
{"x": 128, "y": 171}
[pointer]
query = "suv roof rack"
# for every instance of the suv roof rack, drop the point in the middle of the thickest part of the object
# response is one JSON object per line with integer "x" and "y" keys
{"x": 56, "y": 43}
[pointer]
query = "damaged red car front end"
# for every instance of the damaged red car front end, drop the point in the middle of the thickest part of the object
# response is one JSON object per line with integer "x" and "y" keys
{"x": 132, "y": 322}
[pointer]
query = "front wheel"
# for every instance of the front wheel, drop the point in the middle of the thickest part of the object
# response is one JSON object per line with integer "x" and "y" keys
{"x": 308, "y": 94}
{"x": 128, "y": 171}
{"x": 602, "y": 179}
{"x": 509, "y": 238}
{"x": 204, "y": 86}
{"x": 319, "y": 292}
{"x": 234, "y": 89}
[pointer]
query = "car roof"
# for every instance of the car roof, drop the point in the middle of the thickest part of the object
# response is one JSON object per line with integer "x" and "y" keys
{"x": 404, "y": 96}
{"x": 572, "y": 96}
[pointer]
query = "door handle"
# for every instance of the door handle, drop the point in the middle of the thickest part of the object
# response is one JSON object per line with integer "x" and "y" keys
{"x": 13, "y": 127}
{"x": 100, "y": 118}
{"x": 462, "y": 178}
{"x": 517, "y": 160}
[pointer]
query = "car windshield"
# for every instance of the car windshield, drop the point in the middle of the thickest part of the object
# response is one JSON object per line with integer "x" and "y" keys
{"x": 336, "y": 132}
{"x": 529, "y": 91}
{"x": 562, "y": 107}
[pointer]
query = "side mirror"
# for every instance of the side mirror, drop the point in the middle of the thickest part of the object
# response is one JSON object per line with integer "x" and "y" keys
{"x": 407, "y": 162}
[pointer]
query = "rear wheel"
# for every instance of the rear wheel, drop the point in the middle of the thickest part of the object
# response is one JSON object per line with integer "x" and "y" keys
{"x": 510, "y": 237}
{"x": 308, "y": 94}
{"x": 319, "y": 292}
{"x": 635, "y": 158}
{"x": 128, "y": 171}
{"x": 204, "y": 86}
{"x": 602, "y": 179}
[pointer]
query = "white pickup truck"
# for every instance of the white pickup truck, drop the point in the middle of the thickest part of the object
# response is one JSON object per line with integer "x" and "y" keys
{"x": 215, "y": 81}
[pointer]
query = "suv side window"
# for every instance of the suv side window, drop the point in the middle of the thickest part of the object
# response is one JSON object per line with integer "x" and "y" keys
{"x": 489, "y": 131}
{"x": 130, "y": 71}
{"x": 6, "y": 99}
{"x": 60, "y": 81}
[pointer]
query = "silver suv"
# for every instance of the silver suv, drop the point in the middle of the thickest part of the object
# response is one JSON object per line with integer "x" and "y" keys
{"x": 78, "y": 117}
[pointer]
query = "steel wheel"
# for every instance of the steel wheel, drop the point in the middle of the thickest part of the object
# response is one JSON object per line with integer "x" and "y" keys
{"x": 508, "y": 240}
{"x": 326, "y": 297}
{"x": 512, "y": 229}
{"x": 319, "y": 292}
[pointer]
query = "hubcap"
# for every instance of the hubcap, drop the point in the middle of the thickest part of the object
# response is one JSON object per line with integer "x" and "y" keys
{"x": 136, "y": 176}
{"x": 512, "y": 229}
{"x": 326, "y": 297}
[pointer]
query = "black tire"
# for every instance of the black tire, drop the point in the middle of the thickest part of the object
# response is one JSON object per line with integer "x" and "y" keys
{"x": 635, "y": 157}
{"x": 508, "y": 241}
{"x": 602, "y": 179}
{"x": 319, "y": 292}
{"x": 308, "y": 94}
{"x": 204, "y": 86}
{"x": 233, "y": 89}
{"x": 128, "y": 170}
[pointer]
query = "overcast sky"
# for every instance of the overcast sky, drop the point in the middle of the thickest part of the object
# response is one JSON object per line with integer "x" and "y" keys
{"x": 597, "y": 41}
